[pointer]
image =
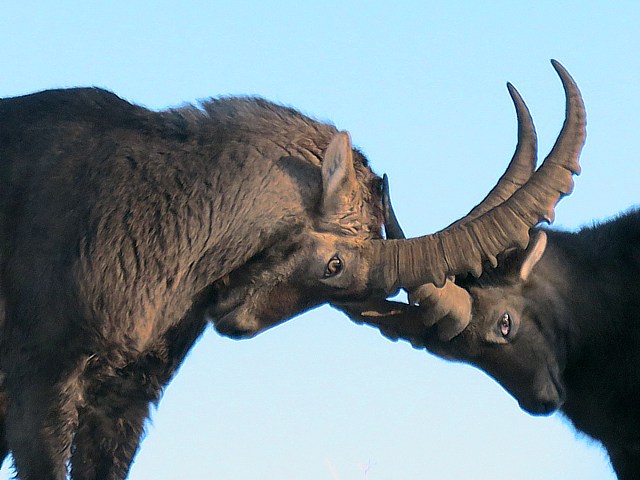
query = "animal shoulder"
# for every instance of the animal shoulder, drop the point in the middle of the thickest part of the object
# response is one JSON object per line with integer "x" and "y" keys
{"x": 72, "y": 106}
{"x": 616, "y": 239}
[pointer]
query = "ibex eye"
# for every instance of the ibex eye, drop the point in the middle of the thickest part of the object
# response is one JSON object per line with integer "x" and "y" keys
{"x": 334, "y": 266}
{"x": 504, "y": 325}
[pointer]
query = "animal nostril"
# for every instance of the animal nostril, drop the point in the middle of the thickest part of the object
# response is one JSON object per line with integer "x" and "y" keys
{"x": 547, "y": 407}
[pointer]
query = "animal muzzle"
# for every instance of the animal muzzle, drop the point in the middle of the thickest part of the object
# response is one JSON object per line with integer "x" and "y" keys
{"x": 548, "y": 397}
{"x": 541, "y": 407}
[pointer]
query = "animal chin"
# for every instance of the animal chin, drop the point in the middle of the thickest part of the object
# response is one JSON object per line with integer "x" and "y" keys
{"x": 236, "y": 326}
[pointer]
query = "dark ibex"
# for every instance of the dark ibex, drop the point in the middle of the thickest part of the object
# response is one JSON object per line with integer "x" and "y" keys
{"x": 558, "y": 326}
{"x": 122, "y": 230}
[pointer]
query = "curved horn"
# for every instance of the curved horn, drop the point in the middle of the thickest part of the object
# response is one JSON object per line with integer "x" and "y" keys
{"x": 392, "y": 227}
{"x": 464, "y": 248}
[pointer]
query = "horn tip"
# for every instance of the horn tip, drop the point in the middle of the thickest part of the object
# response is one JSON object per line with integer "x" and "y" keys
{"x": 565, "y": 77}
{"x": 556, "y": 64}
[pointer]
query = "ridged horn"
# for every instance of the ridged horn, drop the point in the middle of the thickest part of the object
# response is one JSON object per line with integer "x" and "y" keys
{"x": 465, "y": 246}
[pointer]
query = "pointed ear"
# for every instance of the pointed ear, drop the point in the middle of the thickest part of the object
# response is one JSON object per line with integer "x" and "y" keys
{"x": 338, "y": 175}
{"x": 533, "y": 254}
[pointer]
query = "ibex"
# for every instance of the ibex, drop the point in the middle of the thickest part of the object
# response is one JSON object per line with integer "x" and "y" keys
{"x": 557, "y": 325}
{"x": 124, "y": 230}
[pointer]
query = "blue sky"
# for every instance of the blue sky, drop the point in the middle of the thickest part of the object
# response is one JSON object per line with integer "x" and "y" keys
{"x": 421, "y": 88}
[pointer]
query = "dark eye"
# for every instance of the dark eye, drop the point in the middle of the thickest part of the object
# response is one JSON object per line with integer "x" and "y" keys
{"x": 334, "y": 266}
{"x": 504, "y": 325}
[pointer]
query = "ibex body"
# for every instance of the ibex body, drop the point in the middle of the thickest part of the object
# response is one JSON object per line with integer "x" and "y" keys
{"x": 122, "y": 230}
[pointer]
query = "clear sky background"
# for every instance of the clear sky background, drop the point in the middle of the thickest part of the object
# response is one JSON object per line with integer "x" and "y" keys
{"x": 421, "y": 87}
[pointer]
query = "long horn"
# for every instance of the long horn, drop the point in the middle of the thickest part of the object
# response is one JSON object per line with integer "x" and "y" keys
{"x": 465, "y": 247}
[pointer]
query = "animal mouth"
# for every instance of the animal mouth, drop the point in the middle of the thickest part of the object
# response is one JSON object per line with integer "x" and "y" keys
{"x": 540, "y": 407}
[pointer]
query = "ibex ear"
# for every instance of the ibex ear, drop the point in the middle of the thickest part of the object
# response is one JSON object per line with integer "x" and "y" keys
{"x": 533, "y": 254}
{"x": 338, "y": 175}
